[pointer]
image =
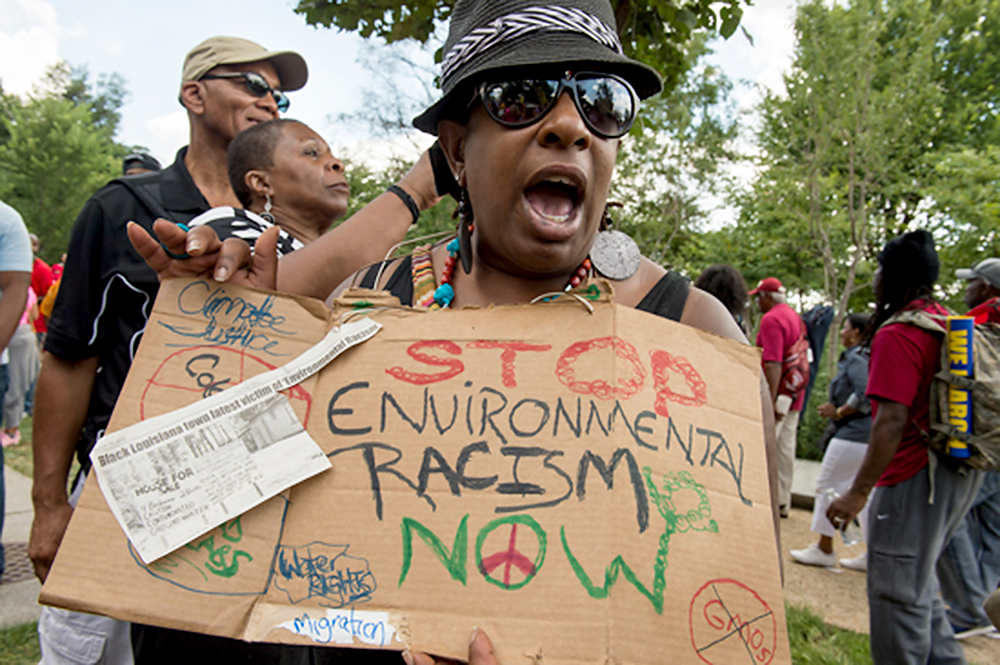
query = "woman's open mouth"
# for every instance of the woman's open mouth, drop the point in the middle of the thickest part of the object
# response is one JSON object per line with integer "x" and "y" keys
{"x": 553, "y": 200}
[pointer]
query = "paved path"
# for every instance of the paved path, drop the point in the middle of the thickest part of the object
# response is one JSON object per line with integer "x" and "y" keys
{"x": 18, "y": 587}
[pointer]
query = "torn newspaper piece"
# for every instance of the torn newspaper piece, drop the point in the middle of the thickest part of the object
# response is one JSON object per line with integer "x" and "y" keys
{"x": 171, "y": 478}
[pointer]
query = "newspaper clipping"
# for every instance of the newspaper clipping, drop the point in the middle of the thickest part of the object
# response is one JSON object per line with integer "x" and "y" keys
{"x": 172, "y": 478}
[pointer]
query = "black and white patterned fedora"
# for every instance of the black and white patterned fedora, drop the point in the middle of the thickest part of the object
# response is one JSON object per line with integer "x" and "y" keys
{"x": 486, "y": 35}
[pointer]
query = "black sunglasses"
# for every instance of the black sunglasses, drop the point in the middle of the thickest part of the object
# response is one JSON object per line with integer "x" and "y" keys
{"x": 257, "y": 87}
{"x": 607, "y": 103}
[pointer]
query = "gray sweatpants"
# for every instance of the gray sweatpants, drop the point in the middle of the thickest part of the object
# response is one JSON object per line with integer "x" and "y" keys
{"x": 906, "y": 534}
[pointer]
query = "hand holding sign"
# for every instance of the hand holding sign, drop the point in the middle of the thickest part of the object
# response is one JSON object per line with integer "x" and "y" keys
{"x": 200, "y": 253}
{"x": 480, "y": 652}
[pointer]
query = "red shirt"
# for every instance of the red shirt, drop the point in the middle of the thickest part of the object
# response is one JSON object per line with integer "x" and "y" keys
{"x": 903, "y": 362}
{"x": 780, "y": 328}
{"x": 41, "y": 280}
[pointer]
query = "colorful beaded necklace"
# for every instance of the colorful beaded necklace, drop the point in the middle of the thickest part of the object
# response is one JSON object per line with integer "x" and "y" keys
{"x": 445, "y": 293}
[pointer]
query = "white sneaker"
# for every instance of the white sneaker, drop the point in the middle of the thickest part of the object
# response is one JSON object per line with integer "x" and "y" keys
{"x": 859, "y": 562}
{"x": 814, "y": 556}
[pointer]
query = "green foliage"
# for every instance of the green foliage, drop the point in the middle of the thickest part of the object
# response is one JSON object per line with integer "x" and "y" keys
{"x": 391, "y": 20}
{"x": 969, "y": 57}
{"x": 7, "y": 102}
{"x": 103, "y": 99}
{"x": 367, "y": 184}
{"x": 889, "y": 121}
{"x": 671, "y": 159}
{"x": 654, "y": 31}
{"x": 965, "y": 191}
{"x": 19, "y": 645}
{"x": 398, "y": 88}
{"x": 814, "y": 642}
{"x": 53, "y": 161}
{"x": 843, "y": 165}
{"x": 811, "y": 424}
{"x": 57, "y": 148}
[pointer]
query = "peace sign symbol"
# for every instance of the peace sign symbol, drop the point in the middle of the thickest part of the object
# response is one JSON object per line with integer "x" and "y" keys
{"x": 511, "y": 557}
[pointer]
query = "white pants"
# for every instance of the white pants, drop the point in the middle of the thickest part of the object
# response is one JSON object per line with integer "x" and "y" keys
{"x": 77, "y": 638}
{"x": 785, "y": 431}
{"x": 841, "y": 462}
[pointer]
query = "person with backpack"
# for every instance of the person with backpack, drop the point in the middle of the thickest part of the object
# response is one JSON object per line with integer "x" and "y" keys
{"x": 920, "y": 495}
{"x": 785, "y": 357}
{"x": 969, "y": 567}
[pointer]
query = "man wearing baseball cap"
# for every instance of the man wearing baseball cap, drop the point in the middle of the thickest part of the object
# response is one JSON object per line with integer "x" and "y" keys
{"x": 982, "y": 290}
{"x": 781, "y": 328}
{"x": 969, "y": 567}
{"x": 227, "y": 85}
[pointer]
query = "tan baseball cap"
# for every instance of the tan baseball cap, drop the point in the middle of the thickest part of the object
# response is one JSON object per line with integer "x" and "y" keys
{"x": 216, "y": 51}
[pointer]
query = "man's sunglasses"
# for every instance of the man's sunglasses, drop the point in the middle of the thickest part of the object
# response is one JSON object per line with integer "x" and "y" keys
{"x": 607, "y": 103}
{"x": 257, "y": 87}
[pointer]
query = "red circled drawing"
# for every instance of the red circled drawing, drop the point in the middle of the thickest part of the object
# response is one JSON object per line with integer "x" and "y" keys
{"x": 664, "y": 363}
{"x": 600, "y": 388}
{"x": 731, "y": 623}
{"x": 171, "y": 382}
{"x": 508, "y": 356}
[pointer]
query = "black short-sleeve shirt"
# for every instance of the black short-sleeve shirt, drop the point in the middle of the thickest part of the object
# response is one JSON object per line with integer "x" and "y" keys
{"x": 107, "y": 290}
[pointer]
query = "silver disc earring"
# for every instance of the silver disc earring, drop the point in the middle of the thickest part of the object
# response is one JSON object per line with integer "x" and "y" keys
{"x": 267, "y": 210}
{"x": 614, "y": 254}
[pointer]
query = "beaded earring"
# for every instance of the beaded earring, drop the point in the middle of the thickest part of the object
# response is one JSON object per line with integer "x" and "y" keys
{"x": 466, "y": 225}
{"x": 614, "y": 254}
{"x": 267, "y": 210}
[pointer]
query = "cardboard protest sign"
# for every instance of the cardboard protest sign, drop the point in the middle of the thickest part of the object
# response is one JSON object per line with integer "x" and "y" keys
{"x": 585, "y": 486}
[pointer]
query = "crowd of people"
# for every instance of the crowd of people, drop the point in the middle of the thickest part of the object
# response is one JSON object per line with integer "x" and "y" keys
{"x": 253, "y": 199}
{"x": 931, "y": 525}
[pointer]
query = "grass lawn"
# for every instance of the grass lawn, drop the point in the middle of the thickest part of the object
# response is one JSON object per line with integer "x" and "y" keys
{"x": 19, "y": 645}
{"x": 813, "y": 642}
{"x": 816, "y": 643}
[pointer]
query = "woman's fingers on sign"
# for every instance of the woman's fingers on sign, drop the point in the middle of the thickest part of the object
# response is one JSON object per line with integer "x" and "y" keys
{"x": 480, "y": 653}
{"x": 175, "y": 251}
